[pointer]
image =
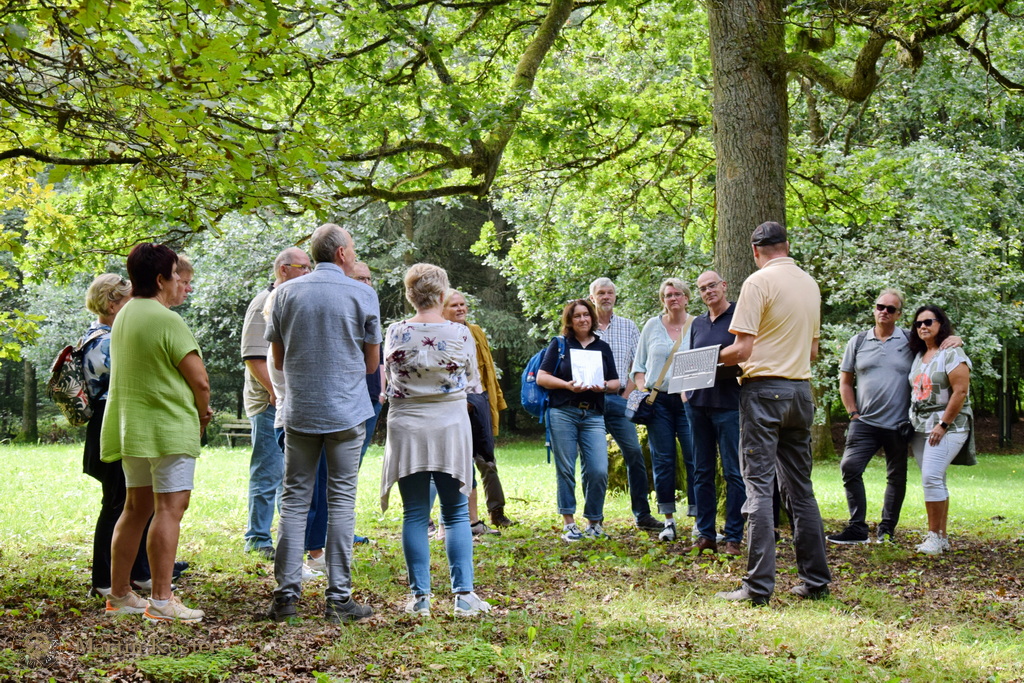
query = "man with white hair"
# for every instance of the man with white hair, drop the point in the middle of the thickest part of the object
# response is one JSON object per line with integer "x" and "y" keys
{"x": 623, "y": 336}
{"x": 324, "y": 333}
{"x": 266, "y": 465}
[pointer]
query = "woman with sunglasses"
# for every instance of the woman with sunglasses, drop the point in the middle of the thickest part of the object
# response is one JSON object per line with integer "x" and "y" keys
{"x": 940, "y": 412}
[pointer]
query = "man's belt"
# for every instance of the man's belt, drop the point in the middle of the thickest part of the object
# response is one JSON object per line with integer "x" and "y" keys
{"x": 765, "y": 378}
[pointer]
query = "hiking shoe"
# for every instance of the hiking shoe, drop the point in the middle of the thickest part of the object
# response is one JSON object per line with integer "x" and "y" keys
{"x": 932, "y": 545}
{"x": 595, "y": 530}
{"x": 668, "y": 532}
{"x": 848, "y": 536}
{"x": 649, "y": 522}
{"x": 499, "y": 519}
{"x": 802, "y": 590}
{"x": 338, "y": 612}
{"x": 282, "y": 609}
{"x": 172, "y": 611}
{"x": 883, "y": 535}
{"x": 469, "y": 605}
{"x": 571, "y": 533}
{"x": 419, "y": 605}
{"x": 308, "y": 573}
{"x": 129, "y": 604}
{"x": 742, "y": 594}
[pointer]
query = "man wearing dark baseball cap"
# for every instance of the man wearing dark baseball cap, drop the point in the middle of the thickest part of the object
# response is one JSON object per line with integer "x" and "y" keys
{"x": 777, "y": 322}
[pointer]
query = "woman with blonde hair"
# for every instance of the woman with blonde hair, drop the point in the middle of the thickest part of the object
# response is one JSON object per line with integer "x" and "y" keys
{"x": 662, "y": 336}
{"x": 429, "y": 362}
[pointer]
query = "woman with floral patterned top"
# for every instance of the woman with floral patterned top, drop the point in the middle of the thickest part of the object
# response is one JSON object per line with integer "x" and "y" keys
{"x": 429, "y": 361}
{"x": 940, "y": 411}
{"x": 105, "y": 297}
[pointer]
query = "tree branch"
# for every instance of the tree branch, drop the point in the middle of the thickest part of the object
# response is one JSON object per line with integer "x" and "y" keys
{"x": 986, "y": 64}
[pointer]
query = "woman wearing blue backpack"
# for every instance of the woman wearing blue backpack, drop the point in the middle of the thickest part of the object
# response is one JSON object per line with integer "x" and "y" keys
{"x": 576, "y": 419}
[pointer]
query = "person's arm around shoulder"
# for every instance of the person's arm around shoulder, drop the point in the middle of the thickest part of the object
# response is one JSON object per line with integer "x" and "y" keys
{"x": 193, "y": 370}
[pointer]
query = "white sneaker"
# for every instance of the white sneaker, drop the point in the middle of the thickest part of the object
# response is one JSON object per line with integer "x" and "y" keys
{"x": 308, "y": 574}
{"x": 317, "y": 564}
{"x": 571, "y": 533}
{"x": 932, "y": 545}
{"x": 419, "y": 605}
{"x": 668, "y": 534}
{"x": 595, "y": 530}
{"x": 129, "y": 604}
{"x": 174, "y": 610}
{"x": 469, "y": 605}
{"x": 946, "y": 547}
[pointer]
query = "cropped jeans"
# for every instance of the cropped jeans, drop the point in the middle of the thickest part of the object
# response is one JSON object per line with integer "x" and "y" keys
{"x": 573, "y": 431}
{"x": 669, "y": 426}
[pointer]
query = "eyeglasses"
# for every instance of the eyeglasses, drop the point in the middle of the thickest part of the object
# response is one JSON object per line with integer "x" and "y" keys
{"x": 706, "y": 287}
{"x": 891, "y": 310}
{"x": 300, "y": 266}
{"x": 927, "y": 322}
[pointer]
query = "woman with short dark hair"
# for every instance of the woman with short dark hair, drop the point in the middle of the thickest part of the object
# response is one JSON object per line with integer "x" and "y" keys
{"x": 576, "y": 418}
{"x": 940, "y": 411}
{"x": 157, "y": 408}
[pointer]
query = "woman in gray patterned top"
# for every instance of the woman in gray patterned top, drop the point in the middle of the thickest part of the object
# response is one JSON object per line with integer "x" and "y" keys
{"x": 940, "y": 411}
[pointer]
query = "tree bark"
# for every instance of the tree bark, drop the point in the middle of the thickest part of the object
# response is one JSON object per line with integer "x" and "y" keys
{"x": 29, "y": 421}
{"x": 751, "y": 126}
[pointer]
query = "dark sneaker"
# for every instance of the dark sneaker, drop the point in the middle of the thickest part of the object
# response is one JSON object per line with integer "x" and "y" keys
{"x": 802, "y": 590}
{"x": 649, "y": 522}
{"x": 741, "y": 594}
{"x": 883, "y": 535}
{"x": 282, "y": 610}
{"x": 338, "y": 612}
{"x": 481, "y": 529}
{"x": 848, "y": 537}
{"x": 180, "y": 567}
{"x": 266, "y": 551}
{"x": 500, "y": 520}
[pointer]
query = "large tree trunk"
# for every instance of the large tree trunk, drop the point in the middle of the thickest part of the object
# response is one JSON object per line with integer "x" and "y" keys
{"x": 751, "y": 126}
{"x": 29, "y": 421}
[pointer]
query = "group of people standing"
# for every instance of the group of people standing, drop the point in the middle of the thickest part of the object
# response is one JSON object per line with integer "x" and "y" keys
{"x": 314, "y": 388}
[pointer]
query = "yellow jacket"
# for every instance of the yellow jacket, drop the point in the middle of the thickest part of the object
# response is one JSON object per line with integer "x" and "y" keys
{"x": 488, "y": 376}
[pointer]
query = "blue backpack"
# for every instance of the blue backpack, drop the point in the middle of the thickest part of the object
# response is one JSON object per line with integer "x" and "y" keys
{"x": 533, "y": 396}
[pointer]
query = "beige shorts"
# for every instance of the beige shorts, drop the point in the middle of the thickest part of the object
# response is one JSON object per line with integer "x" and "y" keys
{"x": 166, "y": 474}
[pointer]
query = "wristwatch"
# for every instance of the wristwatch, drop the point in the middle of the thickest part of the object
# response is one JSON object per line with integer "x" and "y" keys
{"x": 854, "y": 413}
{"x": 944, "y": 425}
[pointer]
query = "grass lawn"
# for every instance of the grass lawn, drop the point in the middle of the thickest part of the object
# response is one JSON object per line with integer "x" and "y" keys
{"x": 625, "y": 609}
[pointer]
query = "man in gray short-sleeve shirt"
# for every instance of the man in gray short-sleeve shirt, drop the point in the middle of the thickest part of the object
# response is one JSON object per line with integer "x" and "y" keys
{"x": 874, "y": 389}
{"x": 325, "y": 336}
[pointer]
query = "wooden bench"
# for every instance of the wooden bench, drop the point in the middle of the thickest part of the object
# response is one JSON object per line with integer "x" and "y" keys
{"x": 236, "y": 429}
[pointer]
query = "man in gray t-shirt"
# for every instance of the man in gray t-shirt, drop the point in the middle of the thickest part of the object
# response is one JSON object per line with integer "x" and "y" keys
{"x": 874, "y": 389}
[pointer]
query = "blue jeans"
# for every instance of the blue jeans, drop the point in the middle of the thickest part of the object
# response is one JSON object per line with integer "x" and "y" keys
{"x": 624, "y": 432}
{"x": 266, "y": 474}
{"x": 458, "y": 539}
{"x": 711, "y": 428}
{"x": 371, "y": 425}
{"x": 668, "y": 426}
{"x": 579, "y": 431}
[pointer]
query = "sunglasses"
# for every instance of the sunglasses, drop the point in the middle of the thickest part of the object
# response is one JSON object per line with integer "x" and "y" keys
{"x": 891, "y": 310}
{"x": 927, "y": 322}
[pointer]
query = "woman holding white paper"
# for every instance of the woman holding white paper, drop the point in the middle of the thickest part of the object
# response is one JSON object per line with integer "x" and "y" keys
{"x": 578, "y": 378}
{"x": 662, "y": 336}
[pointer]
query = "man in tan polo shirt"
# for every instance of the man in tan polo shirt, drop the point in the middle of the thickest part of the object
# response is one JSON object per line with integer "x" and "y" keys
{"x": 776, "y": 323}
